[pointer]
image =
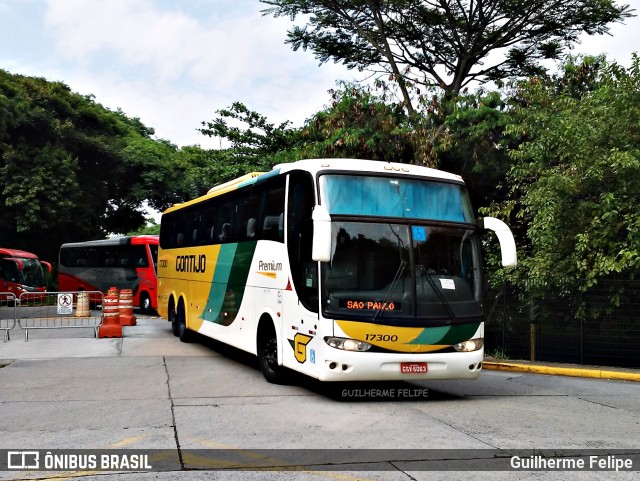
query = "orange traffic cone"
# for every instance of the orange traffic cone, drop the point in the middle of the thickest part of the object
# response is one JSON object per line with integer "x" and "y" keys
{"x": 110, "y": 326}
{"x": 125, "y": 308}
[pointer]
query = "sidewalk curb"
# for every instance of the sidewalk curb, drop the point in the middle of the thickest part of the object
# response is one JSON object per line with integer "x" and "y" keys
{"x": 561, "y": 371}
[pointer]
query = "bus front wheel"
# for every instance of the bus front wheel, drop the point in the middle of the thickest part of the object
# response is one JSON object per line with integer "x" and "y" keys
{"x": 145, "y": 303}
{"x": 268, "y": 355}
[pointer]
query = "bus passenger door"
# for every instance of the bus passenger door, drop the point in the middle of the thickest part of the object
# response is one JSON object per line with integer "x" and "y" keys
{"x": 301, "y": 294}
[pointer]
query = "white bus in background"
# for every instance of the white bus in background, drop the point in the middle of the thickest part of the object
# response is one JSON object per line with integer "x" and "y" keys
{"x": 341, "y": 269}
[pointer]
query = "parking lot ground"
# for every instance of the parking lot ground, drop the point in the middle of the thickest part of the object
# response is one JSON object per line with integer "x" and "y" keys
{"x": 148, "y": 391}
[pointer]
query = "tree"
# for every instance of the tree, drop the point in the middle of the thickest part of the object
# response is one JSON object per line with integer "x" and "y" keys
{"x": 575, "y": 176}
{"x": 72, "y": 170}
{"x": 255, "y": 144}
{"x": 477, "y": 145}
{"x": 358, "y": 124}
{"x": 444, "y": 43}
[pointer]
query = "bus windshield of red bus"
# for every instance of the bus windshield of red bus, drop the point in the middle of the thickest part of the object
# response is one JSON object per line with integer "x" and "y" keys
{"x": 25, "y": 271}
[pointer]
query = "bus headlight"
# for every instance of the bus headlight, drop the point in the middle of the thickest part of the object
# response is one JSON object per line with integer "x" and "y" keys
{"x": 347, "y": 344}
{"x": 469, "y": 346}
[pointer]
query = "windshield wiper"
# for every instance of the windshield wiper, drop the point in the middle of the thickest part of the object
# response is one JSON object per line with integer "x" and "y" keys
{"x": 394, "y": 283}
{"x": 438, "y": 292}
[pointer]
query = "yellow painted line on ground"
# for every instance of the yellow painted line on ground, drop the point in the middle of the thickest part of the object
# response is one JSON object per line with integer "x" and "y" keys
{"x": 126, "y": 442}
{"x": 251, "y": 454}
{"x": 561, "y": 371}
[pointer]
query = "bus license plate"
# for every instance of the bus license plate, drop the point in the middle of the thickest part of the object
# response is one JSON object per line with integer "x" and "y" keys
{"x": 413, "y": 367}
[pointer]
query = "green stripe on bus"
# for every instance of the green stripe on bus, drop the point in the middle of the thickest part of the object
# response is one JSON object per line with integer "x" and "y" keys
{"x": 229, "y": 280}
{"x": 459, "y": 333}
{"x": 446, "y": 335}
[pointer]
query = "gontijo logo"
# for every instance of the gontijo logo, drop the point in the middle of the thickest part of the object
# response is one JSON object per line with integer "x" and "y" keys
{"x": 191, "y": 263}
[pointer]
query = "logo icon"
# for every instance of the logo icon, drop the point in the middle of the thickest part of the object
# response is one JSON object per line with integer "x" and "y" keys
{"x": 23, "y": 460}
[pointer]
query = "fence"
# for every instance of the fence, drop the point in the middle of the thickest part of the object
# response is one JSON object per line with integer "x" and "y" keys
{"x": 7, "y": 313}
{"x": 566, "y": 321}
{"x": 58, "y": 310}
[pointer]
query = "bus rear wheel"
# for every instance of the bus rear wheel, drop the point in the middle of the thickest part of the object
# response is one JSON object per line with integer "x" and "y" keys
{"x": 268, "y": 357}
{"x": 183, "y": 332}
{"x": 173, "y": 318}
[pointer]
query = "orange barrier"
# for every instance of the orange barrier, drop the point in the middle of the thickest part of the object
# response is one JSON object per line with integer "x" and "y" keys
{"x": 110, "y": 326}
{"x": 125, "y": 308}
{"x": 82, "y": 306}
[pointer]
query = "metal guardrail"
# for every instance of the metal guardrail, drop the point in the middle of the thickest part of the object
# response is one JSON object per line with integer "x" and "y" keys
{"x": 59, "y": 310}
{"x": 7, "y": 313}
{"x": 568, "y": 321}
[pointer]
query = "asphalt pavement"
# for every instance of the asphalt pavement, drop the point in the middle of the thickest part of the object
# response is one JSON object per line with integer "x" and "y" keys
{"x": 152, "y": 336}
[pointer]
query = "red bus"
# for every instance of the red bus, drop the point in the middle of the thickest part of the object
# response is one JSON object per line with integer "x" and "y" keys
{"x": 122, "y": 262}
{"x": 21, "y": 271}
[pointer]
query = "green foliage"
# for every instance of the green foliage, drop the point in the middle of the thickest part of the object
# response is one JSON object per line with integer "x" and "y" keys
{"x": 358, "y": 125}
{"x": 576, "y": 172}
{"x": 255, "y": 144}
{"x": 477, "y": 146}
{"x": 150, "y": 228}
{"x": 72, "y": 170}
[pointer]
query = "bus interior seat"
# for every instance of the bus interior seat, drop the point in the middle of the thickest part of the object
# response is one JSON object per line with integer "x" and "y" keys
{"x": 226, "y": 232}
{"x": 270, "y": 227}
{"x": 251, "y": 228}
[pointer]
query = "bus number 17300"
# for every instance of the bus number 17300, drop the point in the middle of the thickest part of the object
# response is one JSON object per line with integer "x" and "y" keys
{"x": 381, "y": 337}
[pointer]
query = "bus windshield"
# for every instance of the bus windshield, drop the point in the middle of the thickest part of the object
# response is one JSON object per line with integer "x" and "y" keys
{"x": 24, "y": 271}
{"x": 402, "y": 271}
{"x": 32, "y": 273}
{"x": 406, "y": 198}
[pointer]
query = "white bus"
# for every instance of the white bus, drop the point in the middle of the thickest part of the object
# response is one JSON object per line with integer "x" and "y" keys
{"x": 341, "y": 269}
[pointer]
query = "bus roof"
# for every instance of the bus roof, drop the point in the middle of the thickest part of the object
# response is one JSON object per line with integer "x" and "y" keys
{"x": 315, "y": 166}
{"x": 113, "y": 241}
{"x": 6, "y": 252}
{"x": 360, "y": 165}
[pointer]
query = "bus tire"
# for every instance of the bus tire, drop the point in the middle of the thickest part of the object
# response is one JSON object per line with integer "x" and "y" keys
{"x": 145, "y": 303}
{"x": 184, "y": 333}
{"x": 267, "y": 348}
{"x": 173, "y": 319}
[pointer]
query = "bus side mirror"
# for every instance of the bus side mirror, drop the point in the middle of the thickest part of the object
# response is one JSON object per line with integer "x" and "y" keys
{"x": 321, "y": 248}
{"x": 505, "y": 237}
{"x": 47, "y": 265}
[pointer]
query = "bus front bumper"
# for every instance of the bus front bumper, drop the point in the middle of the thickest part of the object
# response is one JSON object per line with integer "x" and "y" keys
{"x": 341, "y": 365}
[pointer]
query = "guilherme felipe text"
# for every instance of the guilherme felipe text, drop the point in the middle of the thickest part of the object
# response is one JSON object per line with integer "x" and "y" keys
{"x": 587, "y": 463}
